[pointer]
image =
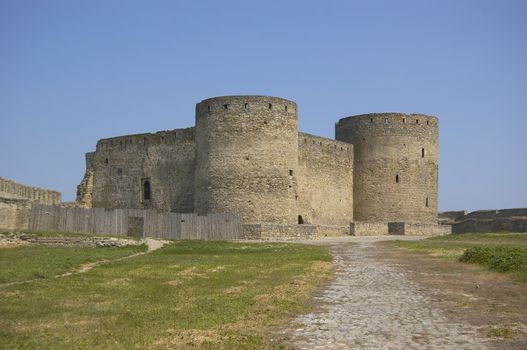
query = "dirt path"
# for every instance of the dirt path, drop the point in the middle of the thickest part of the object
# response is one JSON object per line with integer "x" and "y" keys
{"x": 373, "y": 303}
{"x": 151, "y": 243}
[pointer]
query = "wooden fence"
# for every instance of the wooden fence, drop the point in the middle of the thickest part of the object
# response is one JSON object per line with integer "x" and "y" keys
{"x": 135, "y": 222}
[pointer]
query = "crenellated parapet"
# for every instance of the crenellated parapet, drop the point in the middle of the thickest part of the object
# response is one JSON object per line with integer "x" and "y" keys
{"x": 12, "y": 190}
{"x": 143, "y": 141}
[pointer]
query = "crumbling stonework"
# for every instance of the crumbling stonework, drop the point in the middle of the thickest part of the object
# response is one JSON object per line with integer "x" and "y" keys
{"x": 22, "y": 238}
{"x": 85, "y": 191}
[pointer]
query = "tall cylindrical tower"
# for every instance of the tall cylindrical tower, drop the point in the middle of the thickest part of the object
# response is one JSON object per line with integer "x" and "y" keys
{"x": 395, "y": 166}
{"x": 247, "y": 158}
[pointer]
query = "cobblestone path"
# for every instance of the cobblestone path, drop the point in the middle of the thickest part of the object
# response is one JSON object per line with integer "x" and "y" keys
{"x": 373, "y": 304}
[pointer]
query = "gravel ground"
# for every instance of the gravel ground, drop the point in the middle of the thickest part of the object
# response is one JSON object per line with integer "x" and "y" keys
{"x": 373, "y": 304}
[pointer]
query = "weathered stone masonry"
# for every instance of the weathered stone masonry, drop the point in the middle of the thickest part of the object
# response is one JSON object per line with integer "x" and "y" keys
{"x": 16, "y": 200}
{"x": 246, "y": 156}
{"x": 396, "y": 166}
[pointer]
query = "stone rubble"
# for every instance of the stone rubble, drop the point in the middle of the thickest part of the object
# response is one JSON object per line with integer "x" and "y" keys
{"x": 21, "y": 238}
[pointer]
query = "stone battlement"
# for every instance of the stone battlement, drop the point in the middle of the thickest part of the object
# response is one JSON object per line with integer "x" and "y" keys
{"x": 141, "y": 140}
{"x": 12, "y": 190}
{"x": 244, "y": 105}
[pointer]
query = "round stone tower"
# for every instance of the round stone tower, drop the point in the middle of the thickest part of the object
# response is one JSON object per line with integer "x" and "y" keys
{"x": 395, "y": 166}
{"x": 247, "y": 158}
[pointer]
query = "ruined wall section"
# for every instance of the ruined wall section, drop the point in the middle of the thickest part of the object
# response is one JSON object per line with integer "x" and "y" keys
{"x": 325, "y": 180}
{"x": 122, "y": 165}
{"x": 85, "y": 188}
{"x": 12, "y": 190}
{"x": 395, "y": 166}
{"x": 247, "y": 158}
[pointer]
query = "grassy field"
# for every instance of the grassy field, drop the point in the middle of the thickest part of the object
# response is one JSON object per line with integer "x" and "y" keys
{"x": 186, "y": 295}
{"x": 503, "y": 252}
{"x": 29, "y": 262}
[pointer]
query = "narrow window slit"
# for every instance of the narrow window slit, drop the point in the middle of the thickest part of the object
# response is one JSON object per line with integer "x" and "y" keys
{"x": 147, "y": 194}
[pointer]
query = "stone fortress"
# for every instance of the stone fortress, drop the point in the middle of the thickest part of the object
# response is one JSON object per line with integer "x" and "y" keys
{"x": 246, "y": 156}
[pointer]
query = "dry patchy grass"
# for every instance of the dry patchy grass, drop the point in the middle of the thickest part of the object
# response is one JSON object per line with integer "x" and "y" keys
{"x": 188, "y": 295}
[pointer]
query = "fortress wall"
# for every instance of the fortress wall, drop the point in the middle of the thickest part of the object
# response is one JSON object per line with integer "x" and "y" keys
{"x": 487, "y": 221}
{"x": 418, "y": 229}
{"x": 292, "y": 232}
{"x": 497, "y": 213}
{"x": 14, "y": 213}
{"x": 450, "y": 216}
{"x": 395, "y": 166}
{"x": 247, "y": 158}
{"x": 172, "y": 171}
{"x": 495, "y": 225}
{"x": 13, "y": 190}
{"x": 325, "y": 180}
{"x": 121, "y": 165}
{"x": 365, "y": 228}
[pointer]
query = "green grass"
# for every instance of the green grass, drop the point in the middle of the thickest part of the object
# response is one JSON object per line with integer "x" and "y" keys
{"x": 502, "y": 259}
{"x": 189, "y": 294}
{"x": 502, "y": 252}
{"x": 36, "y": 261}
{"x": 500, "y": 333}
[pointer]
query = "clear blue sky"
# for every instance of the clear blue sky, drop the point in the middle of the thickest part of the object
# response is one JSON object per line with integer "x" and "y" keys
{"x": 72, "y": 72}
